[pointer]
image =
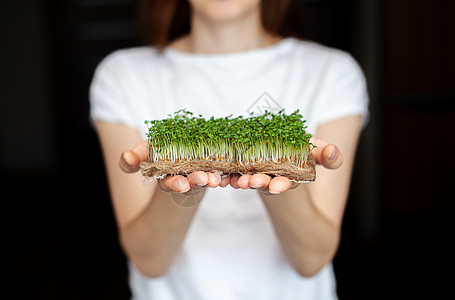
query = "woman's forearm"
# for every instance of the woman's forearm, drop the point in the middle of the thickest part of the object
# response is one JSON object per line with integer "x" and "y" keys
{"x": 152, "y": 240}
{"x": 308, "y": 238}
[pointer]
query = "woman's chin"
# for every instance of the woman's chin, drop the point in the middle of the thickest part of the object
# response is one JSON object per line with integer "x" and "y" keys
{"x": 224, "y": 11}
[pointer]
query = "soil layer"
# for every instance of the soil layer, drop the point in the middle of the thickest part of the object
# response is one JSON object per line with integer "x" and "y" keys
{"x": 160, "y": 169}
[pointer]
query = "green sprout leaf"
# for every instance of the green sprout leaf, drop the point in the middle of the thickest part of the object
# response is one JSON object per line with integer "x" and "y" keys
{"x": 268, "y": 137}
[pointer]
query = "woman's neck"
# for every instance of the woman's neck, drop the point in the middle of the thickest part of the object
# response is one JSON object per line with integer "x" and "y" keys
{"x": 224, "y": 37}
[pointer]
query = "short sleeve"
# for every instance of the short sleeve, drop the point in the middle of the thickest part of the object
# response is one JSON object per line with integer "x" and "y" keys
{"x": 108, "y": 99}
{"x": 344, "y": 91}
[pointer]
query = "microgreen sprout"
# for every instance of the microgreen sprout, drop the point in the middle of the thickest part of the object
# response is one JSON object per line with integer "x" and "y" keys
{"x": 269, "y": 137}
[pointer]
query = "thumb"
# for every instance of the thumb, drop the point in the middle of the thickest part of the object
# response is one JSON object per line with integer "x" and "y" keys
{"x": 129, "y": 161}
{"x": 328, "y": 155}
{"x": 331, "y": 157}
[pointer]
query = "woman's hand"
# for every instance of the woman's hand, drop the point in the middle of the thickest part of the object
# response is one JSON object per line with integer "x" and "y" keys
{"x": 325, "y": 154}
{"x": 193, "y": 183}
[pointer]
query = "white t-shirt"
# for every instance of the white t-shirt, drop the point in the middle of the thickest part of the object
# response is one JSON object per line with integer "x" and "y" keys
{"x": 231, "y": 250}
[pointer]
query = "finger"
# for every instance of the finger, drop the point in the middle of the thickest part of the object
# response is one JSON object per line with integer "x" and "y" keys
{"x": 175, "y": 183}
{"x": 198, "y": 179}
{"x": 244, "y": 182}
{"x": 130, "y": 159}
{"x": 142, "y": 150}
{"x": 279, "y": 184}
{"x": 260, "y": 181}
{"x": 214, "y": 179}
{"x": 225, "y": 180}
{"x": 331, "y": 157}
{"x": 326, "y": 154}
{"x": 234, "y": 180}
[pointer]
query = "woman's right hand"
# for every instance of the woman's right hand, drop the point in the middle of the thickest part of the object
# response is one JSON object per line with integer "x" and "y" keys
{"x": 193, "y": 183}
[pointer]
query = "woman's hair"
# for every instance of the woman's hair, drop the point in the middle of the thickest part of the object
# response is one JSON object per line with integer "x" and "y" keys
{"x": 162, "y": 21}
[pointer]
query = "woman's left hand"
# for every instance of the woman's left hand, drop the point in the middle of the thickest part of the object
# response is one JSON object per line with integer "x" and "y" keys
{"x": 325, "y": 154}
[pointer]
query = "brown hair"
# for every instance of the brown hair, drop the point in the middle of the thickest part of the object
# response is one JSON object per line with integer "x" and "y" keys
{"x": 162, "y": 21}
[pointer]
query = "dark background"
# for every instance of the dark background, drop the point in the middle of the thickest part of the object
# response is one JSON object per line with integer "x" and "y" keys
{"x": 59, "y": 237}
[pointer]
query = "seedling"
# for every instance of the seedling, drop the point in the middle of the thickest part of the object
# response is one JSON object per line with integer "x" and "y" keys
{"x": 274, "y": 144}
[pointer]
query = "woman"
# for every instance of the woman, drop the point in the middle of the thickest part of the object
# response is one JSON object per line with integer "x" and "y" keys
{"x": 252, "y": 237}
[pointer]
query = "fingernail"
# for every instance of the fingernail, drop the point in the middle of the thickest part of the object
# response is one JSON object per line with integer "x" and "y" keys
{"x": 124, "y": 163}
{"x": 333, "y": 153}
{"x": 257, "y": 186}
{"x": 181, "y": 192}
